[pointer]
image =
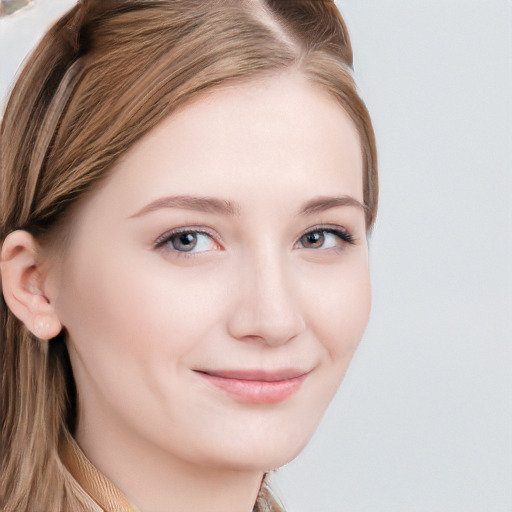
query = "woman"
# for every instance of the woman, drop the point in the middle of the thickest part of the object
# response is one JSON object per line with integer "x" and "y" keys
{"x": 186, "y": 192}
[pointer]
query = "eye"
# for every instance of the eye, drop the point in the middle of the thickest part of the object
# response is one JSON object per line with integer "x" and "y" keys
{"x": 187, "y": 241}
{"x": 325, "y": 238}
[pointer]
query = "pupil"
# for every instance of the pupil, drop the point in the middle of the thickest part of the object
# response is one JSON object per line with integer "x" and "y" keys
{"x": 185, "y": 241}
{"x": 314, "y": 239}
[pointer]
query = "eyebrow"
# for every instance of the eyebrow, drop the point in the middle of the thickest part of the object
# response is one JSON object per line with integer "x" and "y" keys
{"x": 320, "y": 204}
{"x": 231, "y": 209}
{"x": 200, "y": 204}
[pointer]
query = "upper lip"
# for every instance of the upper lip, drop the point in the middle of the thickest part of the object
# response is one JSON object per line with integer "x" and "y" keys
{"x": 257, "y": 374}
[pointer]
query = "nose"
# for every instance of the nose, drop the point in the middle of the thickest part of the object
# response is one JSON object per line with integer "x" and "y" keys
{"x": 266, "y": 306}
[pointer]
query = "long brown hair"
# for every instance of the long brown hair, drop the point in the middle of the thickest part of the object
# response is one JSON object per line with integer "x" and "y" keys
{"x": 104, "y": 75}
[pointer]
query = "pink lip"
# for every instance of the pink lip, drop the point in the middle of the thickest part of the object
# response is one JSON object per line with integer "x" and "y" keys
{"x": 257, "y": 386}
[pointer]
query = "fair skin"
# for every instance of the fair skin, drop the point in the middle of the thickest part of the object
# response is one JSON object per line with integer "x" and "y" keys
{"x": 207, "y": 336}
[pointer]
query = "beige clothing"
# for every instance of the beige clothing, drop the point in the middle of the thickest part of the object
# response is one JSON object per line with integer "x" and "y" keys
{"x": 96, "y": 485}
{"x": 104, "y": 493}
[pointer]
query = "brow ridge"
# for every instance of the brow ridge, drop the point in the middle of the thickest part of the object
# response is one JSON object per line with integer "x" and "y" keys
{"x": 322, "y": 203}
{"x": 230, "y": 208}
{"x": 197, "y": 203}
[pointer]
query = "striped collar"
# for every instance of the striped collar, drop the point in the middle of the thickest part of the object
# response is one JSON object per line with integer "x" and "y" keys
{"x": 96, "y": 485}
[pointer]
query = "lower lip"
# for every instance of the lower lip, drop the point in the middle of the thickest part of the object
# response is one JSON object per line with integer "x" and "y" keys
{"x": 256, "y": 391}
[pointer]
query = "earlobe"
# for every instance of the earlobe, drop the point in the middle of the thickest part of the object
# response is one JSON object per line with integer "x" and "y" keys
{"x": 46, "y": 326}
{"x": 23, "y": 285}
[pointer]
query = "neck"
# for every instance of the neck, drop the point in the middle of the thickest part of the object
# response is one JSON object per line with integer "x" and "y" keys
{"x": 155, "y": 481}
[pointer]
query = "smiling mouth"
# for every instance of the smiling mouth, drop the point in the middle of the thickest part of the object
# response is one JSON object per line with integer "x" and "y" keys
{"x": 256, "y": 386}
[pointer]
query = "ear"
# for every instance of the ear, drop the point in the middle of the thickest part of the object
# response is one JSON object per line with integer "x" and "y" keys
{"x": 23, "y": 283}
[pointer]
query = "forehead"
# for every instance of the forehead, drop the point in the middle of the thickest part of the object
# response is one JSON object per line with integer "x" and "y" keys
{"x": 280, "y": 136}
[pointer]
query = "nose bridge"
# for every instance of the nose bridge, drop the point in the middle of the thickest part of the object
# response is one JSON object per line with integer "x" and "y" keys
{"x": 267, "y": 307}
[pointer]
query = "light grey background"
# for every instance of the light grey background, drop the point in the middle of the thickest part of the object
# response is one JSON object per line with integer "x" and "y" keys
{"x": 423, "y": 421}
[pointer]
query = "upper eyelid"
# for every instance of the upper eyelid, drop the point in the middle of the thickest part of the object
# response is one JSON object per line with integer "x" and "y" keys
{"x": 326, "y": 227}
{"x": 329, "y": 228}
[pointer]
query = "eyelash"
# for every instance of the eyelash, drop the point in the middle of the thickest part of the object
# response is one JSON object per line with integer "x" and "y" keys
{"x": 162, "y": 240}
{"x": 342, "y": 234}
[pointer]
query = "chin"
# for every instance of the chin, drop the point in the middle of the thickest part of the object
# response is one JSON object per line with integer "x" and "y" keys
{"x": 263, "y": 460}
{"x": 265, "y": 451}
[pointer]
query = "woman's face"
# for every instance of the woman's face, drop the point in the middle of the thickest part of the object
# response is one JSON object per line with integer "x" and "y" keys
{"x": 216, "y": 285}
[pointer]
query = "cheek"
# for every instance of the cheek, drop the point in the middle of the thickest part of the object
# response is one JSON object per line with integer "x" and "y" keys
{"x": 142, "y": 314}
{"x": 340, "y": 311}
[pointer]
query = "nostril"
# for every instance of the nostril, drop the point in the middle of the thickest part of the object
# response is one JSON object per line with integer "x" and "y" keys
{"x": 266, "y": 304}
{"x": 272, "y": 324}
